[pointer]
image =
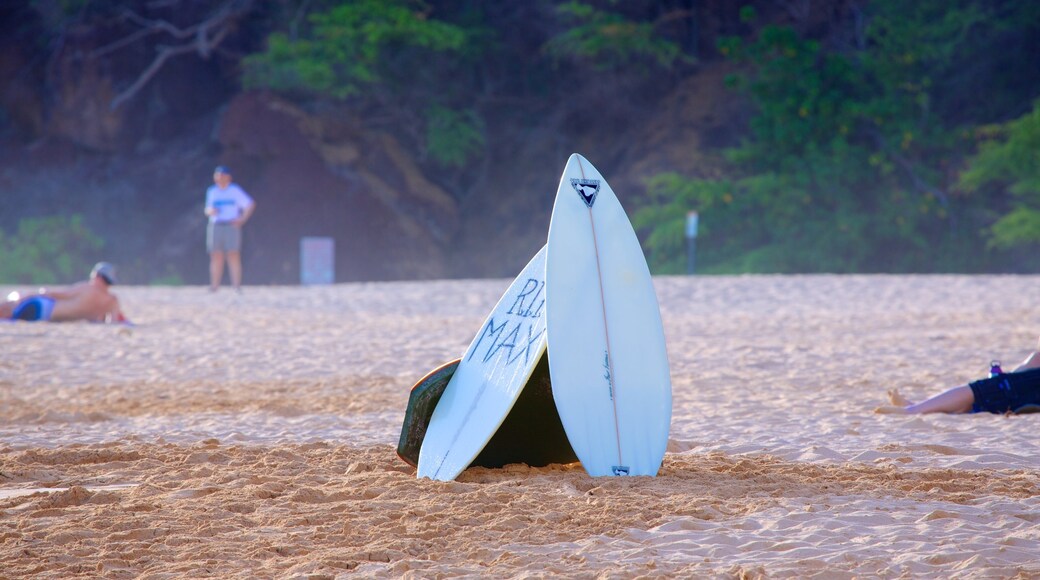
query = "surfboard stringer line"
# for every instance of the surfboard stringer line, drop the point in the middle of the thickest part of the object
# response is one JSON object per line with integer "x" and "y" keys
{"x": 620, "y": 468}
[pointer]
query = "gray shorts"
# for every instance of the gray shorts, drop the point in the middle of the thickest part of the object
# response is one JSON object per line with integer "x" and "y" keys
{"x": 223, "y": 238}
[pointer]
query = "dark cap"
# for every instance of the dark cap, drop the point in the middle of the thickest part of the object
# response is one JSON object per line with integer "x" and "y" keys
{"x": 222, "y": 169}
{"x": 105, "y": 271}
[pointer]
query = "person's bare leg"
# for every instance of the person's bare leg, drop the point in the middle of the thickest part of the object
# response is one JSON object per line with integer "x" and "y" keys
{"x": 216, "y": 270}
{"x": 234, "y": 260}
{"x": 956, "y": 400}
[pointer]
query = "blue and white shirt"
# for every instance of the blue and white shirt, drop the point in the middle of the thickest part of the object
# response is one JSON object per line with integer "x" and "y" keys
{"x": 229, "y": 202}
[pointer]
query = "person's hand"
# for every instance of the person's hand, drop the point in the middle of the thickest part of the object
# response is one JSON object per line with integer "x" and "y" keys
{"x": 238, "y": 222}
{"x": 211, "y": 211}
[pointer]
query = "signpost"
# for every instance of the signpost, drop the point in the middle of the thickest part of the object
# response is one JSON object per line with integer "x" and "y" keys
{"x": 317, "y": 261}
{"x": 691, "y": 240}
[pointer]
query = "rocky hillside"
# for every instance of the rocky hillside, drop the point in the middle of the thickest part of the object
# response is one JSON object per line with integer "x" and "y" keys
{"x": 138, "y": 172}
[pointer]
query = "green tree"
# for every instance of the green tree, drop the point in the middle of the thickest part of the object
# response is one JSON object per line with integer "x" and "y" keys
{"x": 1011, "y": 161}
{"x": 48, "y": 250}
{"x": 452, "y": 137}
{"x": 609, "y": 39}
{"x": 356, "y": 49}
{"x": 348, "y": 46}
{"x": 840, "y": 172}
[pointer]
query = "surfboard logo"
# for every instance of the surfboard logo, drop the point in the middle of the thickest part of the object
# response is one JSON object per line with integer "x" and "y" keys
{"x": 587, "y": 189}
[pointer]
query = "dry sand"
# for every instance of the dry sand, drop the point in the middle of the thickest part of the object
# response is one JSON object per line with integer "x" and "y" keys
{"x": 253, "y": 436}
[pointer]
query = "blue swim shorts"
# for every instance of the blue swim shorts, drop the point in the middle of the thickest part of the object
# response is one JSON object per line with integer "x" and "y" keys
{"x": 1008, "y": 392}
{"x": 34, "y": 308}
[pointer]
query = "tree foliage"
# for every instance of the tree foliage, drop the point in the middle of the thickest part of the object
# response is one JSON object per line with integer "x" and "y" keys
{"x": 859, "y": 153}
{"x": 452, "y": 136}
{"x": 843, "y": 170}
{"x": 609, "y": 39}
{"x": 1012, "y": 161}
{"x": 347, "y": 47}
{"x": 48, "y": 250}
{"x": 354, "y": 48}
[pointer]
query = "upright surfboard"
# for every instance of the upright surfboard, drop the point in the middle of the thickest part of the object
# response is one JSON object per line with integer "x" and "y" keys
{"x": 488, "y": 380}
{"x": 607, "y": 354}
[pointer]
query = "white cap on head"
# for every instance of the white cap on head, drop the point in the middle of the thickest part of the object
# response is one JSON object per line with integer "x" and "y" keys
{"x": 105, "y": 271}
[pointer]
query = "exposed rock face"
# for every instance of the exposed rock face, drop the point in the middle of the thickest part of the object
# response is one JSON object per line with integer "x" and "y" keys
{"x": 21, "y": 100}
{"x": 318, "y": 176}
{"x": 81, "y": 113}
{"x": 138, "y": 173}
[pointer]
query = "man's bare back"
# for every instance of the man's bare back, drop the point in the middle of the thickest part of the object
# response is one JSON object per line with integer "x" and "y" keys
{"x": 89, "y": 300}
{"x": 84, "y": 301}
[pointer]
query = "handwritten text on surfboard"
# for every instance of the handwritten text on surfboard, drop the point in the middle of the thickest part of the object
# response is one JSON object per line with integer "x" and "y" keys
{"x": 587, "y": 189}
{"x": 519, "y": 332}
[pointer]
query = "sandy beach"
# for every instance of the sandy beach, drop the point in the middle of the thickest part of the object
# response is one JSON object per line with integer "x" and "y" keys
{"x": 253, "y": 436}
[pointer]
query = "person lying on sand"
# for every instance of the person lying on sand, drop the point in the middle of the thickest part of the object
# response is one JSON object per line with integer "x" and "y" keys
{"x": 88, "y": 300}
{"x": 1014, "y": 392}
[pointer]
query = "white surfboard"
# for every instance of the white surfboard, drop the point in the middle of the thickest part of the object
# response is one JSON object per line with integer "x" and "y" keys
{"x": 607, "y": 356}
{"x": 489, "y": 378}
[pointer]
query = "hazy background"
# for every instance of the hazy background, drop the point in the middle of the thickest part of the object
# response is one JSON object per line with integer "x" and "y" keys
{"x": 428, "y": 138}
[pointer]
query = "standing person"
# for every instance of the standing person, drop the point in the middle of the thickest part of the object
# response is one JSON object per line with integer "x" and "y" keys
{"x": 89, "y": 300}
{"x": 229, "y": 208}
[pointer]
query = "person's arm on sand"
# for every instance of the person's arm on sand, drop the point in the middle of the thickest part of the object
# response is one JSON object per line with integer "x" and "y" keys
{"x": 60, "y": 293}
{"x": 115, "y": 314}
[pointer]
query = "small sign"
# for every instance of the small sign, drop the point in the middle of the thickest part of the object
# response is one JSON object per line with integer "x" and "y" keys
{"x": 317, "y": 261}
{"x": 691, "y": 224}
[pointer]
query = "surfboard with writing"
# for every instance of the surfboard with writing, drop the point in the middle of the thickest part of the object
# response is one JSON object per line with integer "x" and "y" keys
{"x": 489, "y": 378}
{"x": 607, "y": 356}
